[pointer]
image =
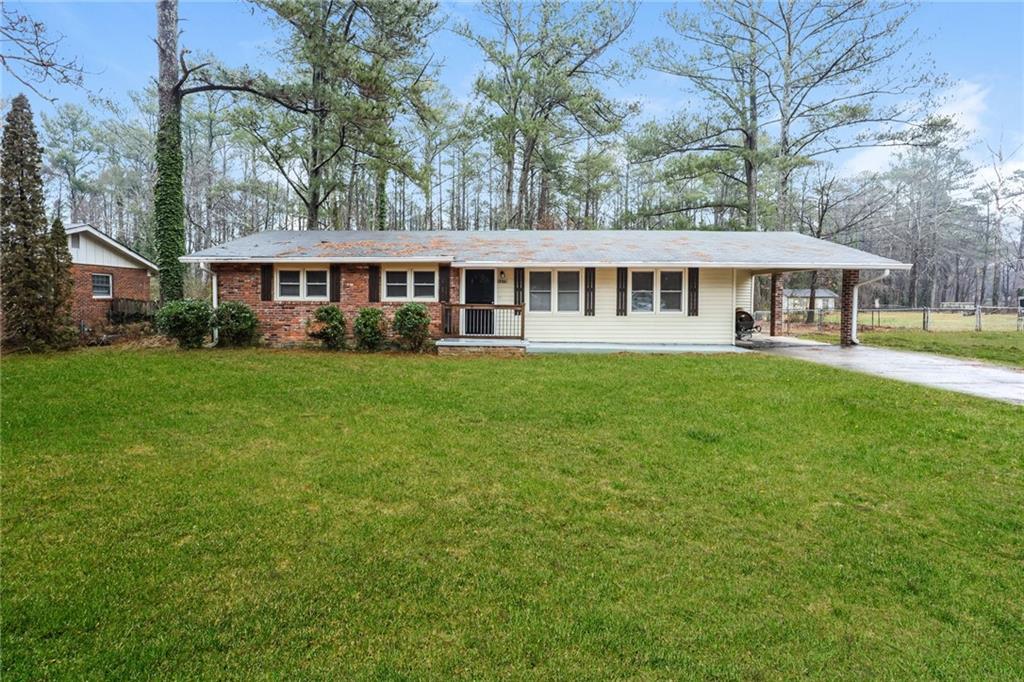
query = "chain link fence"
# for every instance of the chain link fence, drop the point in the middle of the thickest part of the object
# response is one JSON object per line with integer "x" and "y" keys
{"x": 946, "y": 319}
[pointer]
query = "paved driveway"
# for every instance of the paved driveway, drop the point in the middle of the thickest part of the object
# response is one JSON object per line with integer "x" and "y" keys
{"x": 953, "y": 374}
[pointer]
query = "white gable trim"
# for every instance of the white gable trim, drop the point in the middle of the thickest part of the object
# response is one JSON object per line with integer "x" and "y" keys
{"x": 113, "y": 244}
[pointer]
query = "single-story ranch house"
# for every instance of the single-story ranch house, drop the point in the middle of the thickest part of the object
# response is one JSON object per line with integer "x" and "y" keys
{"x": 800, "y": 299}
{"x": 603, "y": 286}
{"x": 105, "y": 273}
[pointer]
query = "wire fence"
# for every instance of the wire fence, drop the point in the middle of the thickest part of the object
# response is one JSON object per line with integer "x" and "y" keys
{"x": 974, "y": 318}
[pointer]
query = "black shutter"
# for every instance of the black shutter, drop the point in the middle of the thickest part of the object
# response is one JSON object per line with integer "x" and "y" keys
{"x": 335, "y": 283}
{"x": 266, "y": 282}
{"x": 373, "y": 290}
{"x": 692, "y": 290}
{"x": 589, "y": 291}
{"x": 444, "y": 284}
{"x": 621, "y": 290}
{"x": 519, "y": 285}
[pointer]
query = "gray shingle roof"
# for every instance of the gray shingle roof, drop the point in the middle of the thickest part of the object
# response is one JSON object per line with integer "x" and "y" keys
{"x": 548, "y": 247}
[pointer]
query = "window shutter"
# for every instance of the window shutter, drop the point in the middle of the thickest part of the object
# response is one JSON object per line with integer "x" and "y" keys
{"x": 266, "y": 282}
{"x": 692, "y": 290}
{"x": 373, "y": 289}
{"x": 621, "y": 291}
{"x": 589, "y": 291}
{"x": 519, "y": 282}
{"x": 444, "y": 284}
{"x": 335, "y": 283}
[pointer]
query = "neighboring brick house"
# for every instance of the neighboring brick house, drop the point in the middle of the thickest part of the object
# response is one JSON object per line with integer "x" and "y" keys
{"x": 517, "y": 288}
{"x": 103, "y": 270}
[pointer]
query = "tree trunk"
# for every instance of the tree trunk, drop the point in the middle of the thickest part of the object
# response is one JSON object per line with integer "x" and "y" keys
{"x": 169, "y": 197}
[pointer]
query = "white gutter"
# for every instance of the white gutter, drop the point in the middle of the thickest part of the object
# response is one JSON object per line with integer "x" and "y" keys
{"x": 856, "y": 299}
{"x": 204, "y": 268}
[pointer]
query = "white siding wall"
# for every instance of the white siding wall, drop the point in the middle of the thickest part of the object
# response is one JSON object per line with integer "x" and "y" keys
{"x": 92, "y": 251}
{"x": 745, "y": 290}
{"x": 714, "y": 324}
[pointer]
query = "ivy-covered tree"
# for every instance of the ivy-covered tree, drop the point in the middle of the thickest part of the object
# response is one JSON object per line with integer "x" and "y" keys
{"x": 27, "y": 261}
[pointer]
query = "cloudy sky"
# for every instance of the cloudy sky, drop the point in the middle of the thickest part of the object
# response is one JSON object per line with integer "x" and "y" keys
{"x": 978, "y": 45}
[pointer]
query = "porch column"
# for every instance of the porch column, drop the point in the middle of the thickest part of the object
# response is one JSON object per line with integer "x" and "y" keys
{"x": 846, "y": 322}
{"x": 775, "y": 299}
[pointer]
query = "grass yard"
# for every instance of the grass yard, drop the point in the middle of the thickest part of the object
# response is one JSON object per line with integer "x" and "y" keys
{"x": 1005, "y": 348}
{"x": 299, "y": 514}
{"x": 938, "y": 320}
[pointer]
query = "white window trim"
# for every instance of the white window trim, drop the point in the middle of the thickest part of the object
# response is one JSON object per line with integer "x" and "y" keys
{"x": 579, "y": 292}
{"x": 551, "y": 292}
{"x": 303, "y": 296}
{"x": 410, "y": 285}
{"x": 657, "y": 292}
{"x": 110, "y": 278}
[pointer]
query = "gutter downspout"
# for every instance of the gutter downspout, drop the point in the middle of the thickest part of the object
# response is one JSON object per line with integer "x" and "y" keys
{"x": 205, "y": 268}
{"x": 856, "y": 302}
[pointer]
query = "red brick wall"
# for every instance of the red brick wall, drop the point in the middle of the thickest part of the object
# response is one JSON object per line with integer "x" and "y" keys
{"x": 776, "y": 304}
{"x": 284, "y": 323}
{"x": 126, "y": 283}
{"x": 850, "y": 280}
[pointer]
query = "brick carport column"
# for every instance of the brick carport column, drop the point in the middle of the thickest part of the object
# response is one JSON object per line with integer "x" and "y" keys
{"x": 775, "y": 299}
{"x": 850, "y": 279}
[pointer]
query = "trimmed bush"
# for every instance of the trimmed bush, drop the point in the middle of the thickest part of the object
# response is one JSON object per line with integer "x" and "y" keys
{"x": 328, "y": 327}
{"x": 236, "y": 323}
{"x": 370, "y": 329}
{"x": 188, "y": 321}
{"x": 412, "y": 324}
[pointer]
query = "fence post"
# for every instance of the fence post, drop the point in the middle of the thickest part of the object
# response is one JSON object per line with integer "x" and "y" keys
{"x": 924, "y": 318}
{"x": 977, "y": 318}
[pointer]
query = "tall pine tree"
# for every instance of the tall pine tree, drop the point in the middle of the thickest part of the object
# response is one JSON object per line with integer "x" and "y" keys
{"x": 35, "y": 295}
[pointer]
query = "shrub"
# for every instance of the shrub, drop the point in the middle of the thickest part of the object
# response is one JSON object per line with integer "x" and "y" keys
{"x": 412, "y": 324}
{"x": 328, "y": 327}
{"x": 236, "y": 323}
{"x": 187, "y": 321}
{"x": 370, "y": 329}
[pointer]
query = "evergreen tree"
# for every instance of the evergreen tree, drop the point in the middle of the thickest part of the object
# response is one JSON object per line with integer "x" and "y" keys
{"x": 61, "y": 282}
{"x": 23, "y": 233}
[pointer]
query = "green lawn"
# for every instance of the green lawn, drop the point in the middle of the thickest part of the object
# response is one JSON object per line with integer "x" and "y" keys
{"x": 299, "y": 514}
{"x": 1002, "y": 347}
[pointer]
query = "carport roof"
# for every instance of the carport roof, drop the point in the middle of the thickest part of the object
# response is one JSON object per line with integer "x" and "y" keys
{"x": 758, "y": 251}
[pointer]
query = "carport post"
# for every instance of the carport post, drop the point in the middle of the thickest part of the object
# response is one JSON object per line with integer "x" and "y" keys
{"x": 776, "y": 304}
{"x": 847, "y": 303}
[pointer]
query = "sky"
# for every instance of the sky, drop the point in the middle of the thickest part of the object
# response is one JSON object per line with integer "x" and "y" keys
{"x": 978, "y": 45}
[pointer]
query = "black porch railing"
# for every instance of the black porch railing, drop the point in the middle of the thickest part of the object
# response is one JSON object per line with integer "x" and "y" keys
{"x": 476, "y": 320}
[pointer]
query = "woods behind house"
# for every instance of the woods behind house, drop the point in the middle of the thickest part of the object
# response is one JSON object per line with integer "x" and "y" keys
{"x": 353, "y": 129}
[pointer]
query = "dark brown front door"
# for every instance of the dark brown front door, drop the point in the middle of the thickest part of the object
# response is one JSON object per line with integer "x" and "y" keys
{"x": 479, "y": 289}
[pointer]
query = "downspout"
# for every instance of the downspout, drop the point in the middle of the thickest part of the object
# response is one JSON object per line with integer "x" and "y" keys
{"x": 213, "y": 275}
{"x": 856, "y": 303}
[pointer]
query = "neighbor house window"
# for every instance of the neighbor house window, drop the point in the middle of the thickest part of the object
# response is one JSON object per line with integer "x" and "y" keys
{"x": 102, "y": 286}
{"x": 76, "y": 241}
{"x": 396, "y": 284}
{"x": 423, "y": 284}
{"x": 670, "y": 295}
{"x": 642, "y": 298}
{"x": 540, "y": 291}
{"x": 302, "y": 284}
{"x": 569, "y": 291}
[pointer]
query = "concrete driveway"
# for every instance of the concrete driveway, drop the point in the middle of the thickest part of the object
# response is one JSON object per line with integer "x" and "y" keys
{"x": 953, "y": 374}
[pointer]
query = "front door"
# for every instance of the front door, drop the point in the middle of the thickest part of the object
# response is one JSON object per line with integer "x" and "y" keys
{"x": 480, "y": 290}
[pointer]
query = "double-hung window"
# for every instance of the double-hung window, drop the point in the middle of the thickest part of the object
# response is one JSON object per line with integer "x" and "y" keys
{"x": 419, "y": 285}
{"x": 424, "y": 284}
{"x": 102, "y": 285}
{"x": 540, "y": 292}
{"x": 308, "y": 284}
{"x": 670, "y": 294}
{"x": 569, "y": 291}
{"x": 396, "y": 284}
{"x": 642, "y": 296}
